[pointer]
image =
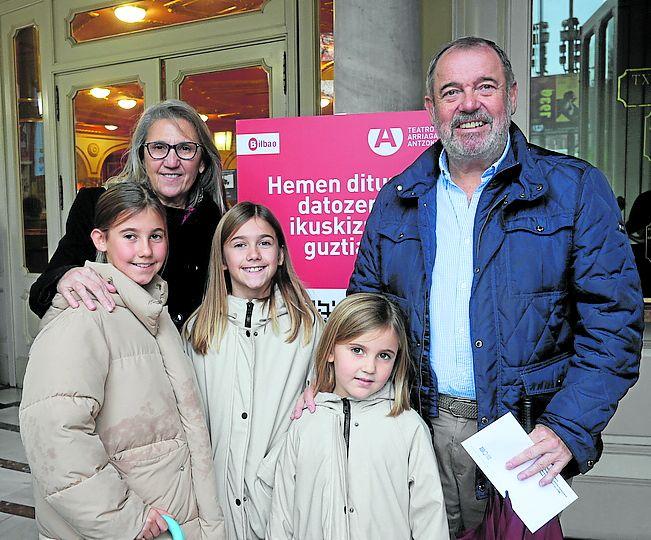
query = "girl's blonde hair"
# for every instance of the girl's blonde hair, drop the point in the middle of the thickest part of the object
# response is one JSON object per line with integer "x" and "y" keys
{"x": 210, "y": 319}
{"x": 122, "y": 201}
{"x": 356, "y": 315}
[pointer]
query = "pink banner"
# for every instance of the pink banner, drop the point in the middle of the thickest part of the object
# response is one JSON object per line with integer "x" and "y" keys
{"x": 321, "y": 175}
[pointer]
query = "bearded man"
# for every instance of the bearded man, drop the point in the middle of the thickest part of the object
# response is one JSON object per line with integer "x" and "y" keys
{"x": 515, "y": 273}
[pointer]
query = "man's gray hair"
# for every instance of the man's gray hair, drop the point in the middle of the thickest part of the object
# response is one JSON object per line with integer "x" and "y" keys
{"x": 469, "y": 42}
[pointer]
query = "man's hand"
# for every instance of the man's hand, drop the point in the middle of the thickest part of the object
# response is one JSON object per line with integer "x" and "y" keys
{"x": 548, "y": 449}
{"x": 306, "y": 399}
{"x": 83, "y": 281}
{"x": 154, "y": 524}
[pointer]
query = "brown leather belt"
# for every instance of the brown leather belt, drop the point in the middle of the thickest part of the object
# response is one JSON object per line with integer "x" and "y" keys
{"x": 459, "y": 407}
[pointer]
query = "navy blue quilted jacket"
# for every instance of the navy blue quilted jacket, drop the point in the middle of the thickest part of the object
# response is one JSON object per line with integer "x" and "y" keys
{"x": 556, "y": 307}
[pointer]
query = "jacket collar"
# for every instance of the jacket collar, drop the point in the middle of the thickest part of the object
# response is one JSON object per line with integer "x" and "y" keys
{"x": 518, "y": 169}
{"x": 332, "y": 401}
{"x": 146, "y": 303}
{"x": 238, "y": 308}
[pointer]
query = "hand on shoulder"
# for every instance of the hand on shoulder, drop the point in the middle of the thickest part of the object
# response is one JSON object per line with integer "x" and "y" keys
{"x": 86, "y": 282}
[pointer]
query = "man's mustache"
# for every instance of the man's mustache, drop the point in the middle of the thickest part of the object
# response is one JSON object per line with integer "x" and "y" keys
{"x": 462, "y": 118}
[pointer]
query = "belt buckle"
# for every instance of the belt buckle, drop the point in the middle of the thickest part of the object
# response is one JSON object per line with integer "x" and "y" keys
{"x": 456, "y": 411}
{"x": 463, "y": 408}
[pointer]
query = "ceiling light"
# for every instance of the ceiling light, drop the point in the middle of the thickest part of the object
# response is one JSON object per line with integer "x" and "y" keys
{"x": 99, "y": 93}
{"x": 127, "y": 103}
{"x": 325, "y": 102}
{"x": 130, "y": 14}
{"x": 204, "y": 117}
{"x": 110, "y": 127}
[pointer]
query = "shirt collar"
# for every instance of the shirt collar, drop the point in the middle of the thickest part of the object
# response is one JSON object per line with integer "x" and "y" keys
{"x": 486, "y": 176}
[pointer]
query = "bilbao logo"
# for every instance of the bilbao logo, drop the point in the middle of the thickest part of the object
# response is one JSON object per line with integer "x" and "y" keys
{"x": 258, "y": 143}
{"x": 385, "y": 141}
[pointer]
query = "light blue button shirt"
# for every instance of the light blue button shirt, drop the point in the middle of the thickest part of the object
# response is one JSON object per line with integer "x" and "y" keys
{"x": 449, "y": 307}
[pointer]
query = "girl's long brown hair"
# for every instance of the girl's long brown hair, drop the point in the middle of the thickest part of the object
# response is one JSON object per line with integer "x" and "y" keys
{"x": 356, "y": 315}
{"x": 208, "y": 323}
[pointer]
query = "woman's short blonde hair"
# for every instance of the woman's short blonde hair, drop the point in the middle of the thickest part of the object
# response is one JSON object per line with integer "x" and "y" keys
{"x": 356, "y": 315}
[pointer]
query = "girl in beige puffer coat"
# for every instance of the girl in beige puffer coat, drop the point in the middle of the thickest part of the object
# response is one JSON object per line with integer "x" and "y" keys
{"x": 111, "y": 418}
{"x": 362, "y": 466}
{"x": 252, "y": 342}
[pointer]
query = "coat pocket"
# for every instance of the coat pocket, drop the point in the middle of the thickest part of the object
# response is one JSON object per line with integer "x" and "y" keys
{"x": 400, "y": 257}
{"x": 546, "y": 377}
{"x": 262, "y": 490}
{"x": 538, "y": 252}
{"x": 541, "y": 382}
{"x": 160, "y": 474}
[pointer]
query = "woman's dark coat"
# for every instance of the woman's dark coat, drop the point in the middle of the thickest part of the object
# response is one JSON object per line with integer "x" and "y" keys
{"x": 190, "y": 238}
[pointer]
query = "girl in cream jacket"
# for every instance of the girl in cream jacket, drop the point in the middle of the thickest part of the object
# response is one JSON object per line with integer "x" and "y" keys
{"x": 251, "y": 342}
{"x": 363, "y": 465}
{"x": 111, "y": 418}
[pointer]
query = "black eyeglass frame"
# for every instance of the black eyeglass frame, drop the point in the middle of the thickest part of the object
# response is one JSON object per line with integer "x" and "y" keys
{"x": 173, "y": 146}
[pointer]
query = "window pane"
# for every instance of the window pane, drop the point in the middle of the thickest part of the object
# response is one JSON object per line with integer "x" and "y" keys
{"x": 590, "y": 76}
{"x": 104, "y": 119}
{"x": 327, "y": 48}
{"x": 123, "y": 18}
{"x": 31, "y": 157}
{"x": 223, "y": 97}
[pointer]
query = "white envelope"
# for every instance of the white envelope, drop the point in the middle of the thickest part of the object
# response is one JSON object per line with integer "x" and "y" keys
{"x": 492, "y": 447}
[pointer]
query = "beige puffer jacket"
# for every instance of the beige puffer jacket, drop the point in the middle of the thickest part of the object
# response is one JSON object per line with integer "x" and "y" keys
{"x": 350, "y": 472}
{"x": 249, "y": 387}
{"x": 112, "y": 421}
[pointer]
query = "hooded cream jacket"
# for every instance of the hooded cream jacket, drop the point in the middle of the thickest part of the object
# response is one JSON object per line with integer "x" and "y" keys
{"x": 249, "y": 387}
{"x": 350, "y": 472}
{"x": 112, "y": 422}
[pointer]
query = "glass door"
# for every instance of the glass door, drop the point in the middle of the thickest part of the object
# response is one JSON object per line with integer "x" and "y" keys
{"x": 98, "y": 109}
{"x": 225, "y": 86}
{"x": 92, "y": 130}
{"x": 27, "y": 202}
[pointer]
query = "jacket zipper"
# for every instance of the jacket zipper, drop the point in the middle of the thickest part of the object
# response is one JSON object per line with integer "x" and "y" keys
{"x": 346, "y": 405}
{"x": 419, "y": 367}
{"x": 249, "y": 313}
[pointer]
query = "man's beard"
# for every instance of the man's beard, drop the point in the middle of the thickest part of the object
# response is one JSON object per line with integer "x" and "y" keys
{"x": 485, "y": 147}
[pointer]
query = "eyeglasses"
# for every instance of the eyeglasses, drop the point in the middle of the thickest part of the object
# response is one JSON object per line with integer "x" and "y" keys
{"x": 184, "y": 150}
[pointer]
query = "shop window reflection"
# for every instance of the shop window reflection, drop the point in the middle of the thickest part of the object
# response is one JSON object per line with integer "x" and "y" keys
{"x": 587, "y": 61}
{"x": 221, "y": 98}
{"x": 31, "y": 160}
{"x": 327, "y": 56}
{"x": 104, "y": 117}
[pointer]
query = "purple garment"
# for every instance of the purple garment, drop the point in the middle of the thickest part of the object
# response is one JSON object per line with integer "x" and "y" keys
{"x": 502, "y": 523}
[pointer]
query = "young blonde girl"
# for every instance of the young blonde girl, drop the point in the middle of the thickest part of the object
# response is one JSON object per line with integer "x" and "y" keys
{"x": 110, "y": 416}
{"x": 251, "y": 341}
{"x": 362, "y": 465}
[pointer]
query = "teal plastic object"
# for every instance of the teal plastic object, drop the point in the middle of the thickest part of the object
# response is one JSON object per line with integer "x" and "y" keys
{"x": 174, "y": 528}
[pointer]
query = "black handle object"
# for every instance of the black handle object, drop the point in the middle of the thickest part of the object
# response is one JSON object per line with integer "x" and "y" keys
{"x": 527, "y": 415}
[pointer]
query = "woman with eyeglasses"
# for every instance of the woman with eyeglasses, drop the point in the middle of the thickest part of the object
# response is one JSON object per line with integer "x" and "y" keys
{"x": 172, "y": 151}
